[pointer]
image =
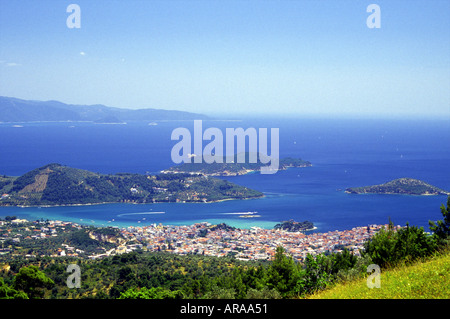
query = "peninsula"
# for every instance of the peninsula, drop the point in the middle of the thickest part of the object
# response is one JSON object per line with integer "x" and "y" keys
{"x": 408, "y": 186}
{"x": 233, "y": 168}
{"x": 55, "y": 184}
{"x": 293, "y": 226}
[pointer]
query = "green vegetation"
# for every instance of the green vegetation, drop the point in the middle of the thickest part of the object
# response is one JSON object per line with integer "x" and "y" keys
{"x": 293, "y": 226}
{"x": 6, "y": 183}
{"x": 7, "y": 292}
{"x": 389, "y": 247}
{"x": 407, "y": 186}
{"x": 55, "y": 184}
{"x": 423, "y": 279}
{"x": 152, "y": 293}
{"x": 163, "y": 275}
{"x": 25, "y": 239}
{"x": 32, "y": 282}
{"x": 29, "y": 283}
{"x": 441, "y": 228}
{"x": 414, "y": 265}
{"x": 232, "y": 167}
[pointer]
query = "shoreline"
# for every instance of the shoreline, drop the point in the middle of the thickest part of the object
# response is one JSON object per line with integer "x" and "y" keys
{"x": 133, "y": 203}
{"x": 169, "y": 225}
{"x": 239, "y": 173}
{"x": 371, "y": 193}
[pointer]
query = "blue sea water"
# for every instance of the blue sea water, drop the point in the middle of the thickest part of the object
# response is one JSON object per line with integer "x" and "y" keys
{"x": 344, "y": 153}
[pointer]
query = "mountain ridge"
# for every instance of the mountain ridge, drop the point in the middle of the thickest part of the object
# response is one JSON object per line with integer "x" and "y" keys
{"x": 18, "y": 110}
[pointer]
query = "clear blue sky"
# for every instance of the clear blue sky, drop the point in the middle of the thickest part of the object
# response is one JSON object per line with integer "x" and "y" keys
{"x": 258, "y": 57}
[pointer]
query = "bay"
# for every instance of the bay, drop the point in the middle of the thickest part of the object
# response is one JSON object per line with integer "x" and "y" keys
{"x": 344, "y": 153}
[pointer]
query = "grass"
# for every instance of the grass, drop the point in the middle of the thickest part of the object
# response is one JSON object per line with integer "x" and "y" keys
{"x": 429, "y": 279}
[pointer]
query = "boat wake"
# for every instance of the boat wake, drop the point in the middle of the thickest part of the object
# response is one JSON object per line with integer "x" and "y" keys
{"x": 246, "y": 213}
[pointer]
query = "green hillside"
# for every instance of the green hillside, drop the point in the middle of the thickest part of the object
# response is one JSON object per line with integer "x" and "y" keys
{"x": 55, "y": 184}
{"x": 422, "y": 280}
{"x": 408, "y": 186}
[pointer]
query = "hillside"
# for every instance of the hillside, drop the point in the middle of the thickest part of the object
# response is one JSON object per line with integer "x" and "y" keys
{"x": 232, "y": 167}
{"x": 18, "y": 110}
{"x": 55, "y": 184}
{"x": 423, "y": 280}
{"x": 407, "y": 186}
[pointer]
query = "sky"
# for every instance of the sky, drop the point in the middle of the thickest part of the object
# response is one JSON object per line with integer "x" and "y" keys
{"x": 246, "y": 57}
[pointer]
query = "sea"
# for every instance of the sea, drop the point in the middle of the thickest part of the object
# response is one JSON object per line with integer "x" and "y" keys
{"x": 343, "y": 152}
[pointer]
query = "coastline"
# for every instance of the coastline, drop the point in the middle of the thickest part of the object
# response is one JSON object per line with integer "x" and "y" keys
{"x": 400, "y": 186}
{"x": 387, "y": 193}
{"x": 250, "y": 243}
{"x": 226, "y": 174}
{"x": 134, "y": 203}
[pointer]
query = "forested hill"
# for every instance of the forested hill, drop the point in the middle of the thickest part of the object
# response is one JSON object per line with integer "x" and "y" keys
{"x": 233, "y": 167}
{"x": 55, "y": 184}
{"x": 407, "y": 186}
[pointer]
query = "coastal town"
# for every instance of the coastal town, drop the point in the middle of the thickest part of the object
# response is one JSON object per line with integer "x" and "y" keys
{"x": 247, "y": 244}
{"x": 20, "y": 237}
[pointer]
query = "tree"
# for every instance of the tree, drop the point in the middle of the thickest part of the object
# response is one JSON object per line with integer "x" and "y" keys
{"x": 343, "y": 261}
{"x": 441, "y": 228}
{"x": 317, "y": 273}
{"x": 32, "y": 281}
{"x": 264, "y": 293}
{"x": 151, "y": 293}
{"x": 220, "y": 293}
{"x": 381, "y": 247}
{"x": 389, "y": 247}
{"x": 412, "y": 243}
{"x": 283, "y": 274}
{"x": 7, "y": 292}
{"x": 125, "y": 275}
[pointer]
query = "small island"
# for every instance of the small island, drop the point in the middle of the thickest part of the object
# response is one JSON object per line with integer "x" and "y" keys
{"x": 55, "y": 184}
{"x": 233, "y": 168}
{"x": 293, "y": 226}
{"x": 405, "y": 186}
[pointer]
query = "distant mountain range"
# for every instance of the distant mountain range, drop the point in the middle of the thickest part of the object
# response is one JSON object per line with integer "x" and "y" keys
{"x": 18, "y": 110}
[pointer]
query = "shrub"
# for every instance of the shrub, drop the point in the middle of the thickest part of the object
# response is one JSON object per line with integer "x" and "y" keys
{"x": 264, "y": 293}
{"x": 317, "y": 273}
{"x": 150, "y": 293}
{"x": 441, "y": 228}
{"x": 389, "y": 247}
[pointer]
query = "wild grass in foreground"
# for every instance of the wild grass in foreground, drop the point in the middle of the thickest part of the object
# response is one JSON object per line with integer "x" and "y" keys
{"x": 429, "y": 279}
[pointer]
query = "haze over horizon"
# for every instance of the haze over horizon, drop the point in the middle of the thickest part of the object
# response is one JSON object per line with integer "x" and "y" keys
{"x": 302, "y": 58}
